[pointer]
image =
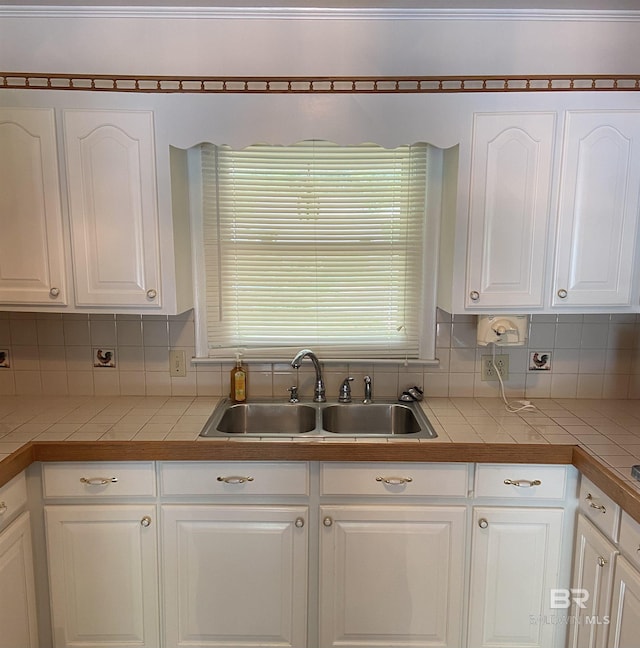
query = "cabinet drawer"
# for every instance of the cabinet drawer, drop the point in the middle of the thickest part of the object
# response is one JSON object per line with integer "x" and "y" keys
{"x": 234, "y": 478}
{"x": 599, "y": 508}
{"x": 446, "y": 480}
{"x": 13, "y": 498}
{"x": 99, "y": 479}
{"x": 521, "y": 481}
{"x": 630, "y": 538}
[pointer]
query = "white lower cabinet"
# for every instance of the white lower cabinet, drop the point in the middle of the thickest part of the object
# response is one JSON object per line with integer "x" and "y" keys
{"x": 306, "y": 555}
{"x": 18, "y": 614}
{"x": 103, "y": 575}
{"x": 18, "y": 625}
{"x": 515, "y": 562}
{"x": 519, "y": 554}
{"x": 392, "y": 575}
{"x": 235, "y": 575}
{"x": 235, "y": 554}
{"x": 592, "y": 583}
{"x": 102, "y": 553}
{"x": 625, "y": 610}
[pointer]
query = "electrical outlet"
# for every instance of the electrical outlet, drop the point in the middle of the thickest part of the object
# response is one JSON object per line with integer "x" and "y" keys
{"x": 501, "y": 364}
{"x": 177, "y": 364}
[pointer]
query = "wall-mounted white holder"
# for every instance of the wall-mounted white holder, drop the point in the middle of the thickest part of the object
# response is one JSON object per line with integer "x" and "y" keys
{"x": 503, "y": 330}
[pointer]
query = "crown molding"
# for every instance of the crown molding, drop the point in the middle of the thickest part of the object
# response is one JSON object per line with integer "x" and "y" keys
{"x": 319, "y": 13}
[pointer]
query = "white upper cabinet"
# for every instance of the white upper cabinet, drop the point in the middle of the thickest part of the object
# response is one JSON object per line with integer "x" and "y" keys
{"x": 511, "y": 168}
{"x": 111, "y": 177}
{"x": 32, "y": 263}
{"x": 598, "y": 209}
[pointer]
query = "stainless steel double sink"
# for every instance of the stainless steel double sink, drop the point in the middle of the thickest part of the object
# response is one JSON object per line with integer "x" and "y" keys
{"x": 272, "y": 419}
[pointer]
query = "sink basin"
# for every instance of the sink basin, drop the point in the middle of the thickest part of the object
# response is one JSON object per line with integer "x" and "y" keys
{"x": 371, "y": 419}
{"x": 273, "y": 418}
{"x": 258, "y": 419}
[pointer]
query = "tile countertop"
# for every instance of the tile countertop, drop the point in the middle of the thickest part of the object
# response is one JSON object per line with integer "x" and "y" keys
{"x": 600, "y": 437}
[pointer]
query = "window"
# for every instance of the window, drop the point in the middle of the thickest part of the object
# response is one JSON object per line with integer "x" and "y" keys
{"x": 316, "y": 245}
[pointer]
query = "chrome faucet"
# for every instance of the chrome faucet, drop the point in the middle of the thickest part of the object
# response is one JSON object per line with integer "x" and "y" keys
{"x": 368, "y": 398}
{"x": 318, "y": 391}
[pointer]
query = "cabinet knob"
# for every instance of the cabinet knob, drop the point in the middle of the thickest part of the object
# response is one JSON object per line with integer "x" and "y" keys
{"x": 601, "y": 561}
{"x": 235, "y": 479}
{"x": 146, "y": 521}
{"x": 54, "y": 292}
{"x": 327, "y": 521}
{"x": 3, "y": 508}
{"x": 482, "y": 523}
{"x": 474, "y": 295}
{"x": 562, "y": 293}
{"x": 299, "y": 522}
{"x": 151, "y": 293}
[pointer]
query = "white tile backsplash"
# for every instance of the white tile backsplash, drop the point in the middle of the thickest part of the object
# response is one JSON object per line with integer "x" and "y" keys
{"x": 593, "y": 356}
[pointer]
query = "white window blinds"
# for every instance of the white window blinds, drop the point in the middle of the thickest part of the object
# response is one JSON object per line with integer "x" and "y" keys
{"x": 316, "y": 245}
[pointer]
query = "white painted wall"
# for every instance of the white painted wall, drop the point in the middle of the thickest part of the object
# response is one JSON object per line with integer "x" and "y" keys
{"x": 290, "y": 42}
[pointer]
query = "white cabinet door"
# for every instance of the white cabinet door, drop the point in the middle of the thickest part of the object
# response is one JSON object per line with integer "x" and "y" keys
{"x": 103, "y": 575}
{"x": 514, "y": 565}
{"x": 18, "y": 624}
{"x": 235, "y": 576}
{"x": 598, "y": 209}
{"x": 32, "y": 262}
{"x": 509, "y": 209}
{"x": 113, "y": 207}
{"x": 391, "y": 576}
{"x": 625, "y": 610}
{"x": 593, "y": 565}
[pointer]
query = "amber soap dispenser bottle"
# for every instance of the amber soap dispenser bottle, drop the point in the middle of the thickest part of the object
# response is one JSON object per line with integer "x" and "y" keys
{"x": 238, "y": 382}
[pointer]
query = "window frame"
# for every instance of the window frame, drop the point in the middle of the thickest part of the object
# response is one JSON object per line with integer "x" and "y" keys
{"x": 428, "y": 297}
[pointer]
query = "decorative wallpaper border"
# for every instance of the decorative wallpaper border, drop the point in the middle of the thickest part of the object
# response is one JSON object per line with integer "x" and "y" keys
{"x": 317, "y": 85}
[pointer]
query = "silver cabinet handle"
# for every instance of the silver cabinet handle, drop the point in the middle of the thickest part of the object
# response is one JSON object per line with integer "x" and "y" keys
{"x": 151, "y": 293}
{"x": 482, "y": 523}
{"x": 235, "y": 479}
{"x": 55, "y": 292}
{"x": 522, "y": 483}
{"x": 562, "y": 293}
{"x": 601, "y": 561}
{"x": 3, "y": 508}
{"x": 327, "y": 521}
{"x": 146, "y": 521}
{"x": 98, "y": 481}
{"x": 593, "y": 505}
{"x": 299, "y": 522}
{"x": 474, "y": 295}
{"x": 394, "y": 481}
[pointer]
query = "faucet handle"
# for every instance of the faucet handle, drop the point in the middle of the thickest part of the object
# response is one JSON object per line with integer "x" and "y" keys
{"x": 293, "y": 398}
{"x": 345, "y": 390}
